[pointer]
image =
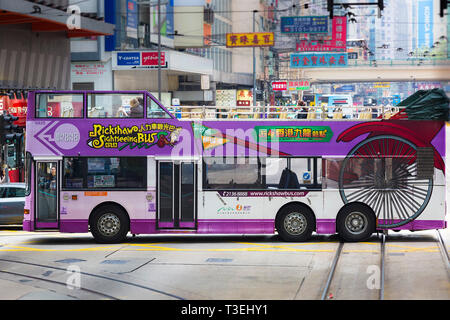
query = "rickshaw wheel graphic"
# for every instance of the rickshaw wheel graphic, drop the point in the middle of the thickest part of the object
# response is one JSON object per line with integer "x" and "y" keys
{"x": 390, "y": 187}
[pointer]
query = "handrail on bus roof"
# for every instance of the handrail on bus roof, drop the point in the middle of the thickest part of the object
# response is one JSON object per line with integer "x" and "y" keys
{"x": 86, "y": 92}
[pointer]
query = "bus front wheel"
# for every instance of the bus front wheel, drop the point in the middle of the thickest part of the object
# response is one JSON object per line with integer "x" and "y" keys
{"x": 295, "y": 223}
{"x": 109, "y": 224}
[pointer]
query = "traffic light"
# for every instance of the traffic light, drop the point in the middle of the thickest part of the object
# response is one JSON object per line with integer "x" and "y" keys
{"x": 10, "y": 133}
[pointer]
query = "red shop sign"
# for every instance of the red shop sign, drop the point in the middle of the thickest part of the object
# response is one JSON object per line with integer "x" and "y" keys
{"x": 279, "y": 86}
{"x": 151, "y": 58}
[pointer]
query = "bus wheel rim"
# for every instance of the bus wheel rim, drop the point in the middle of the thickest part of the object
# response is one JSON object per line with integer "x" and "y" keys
{"x": 109, "y": 224}
{"x": 295, "y": 223}
{"x": 356, "y": 223}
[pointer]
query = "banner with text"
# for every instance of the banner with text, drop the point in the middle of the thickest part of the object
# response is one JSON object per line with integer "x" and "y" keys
{"x": 318, "y": 42}
{"x": 312, "y": 24}
{"x": 251, "y": 39}
{"x": 318, "y": 60}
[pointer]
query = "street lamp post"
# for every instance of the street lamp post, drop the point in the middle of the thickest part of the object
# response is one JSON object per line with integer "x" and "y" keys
{"x": 254, "y": 61}
{"x": 159, "y": 50}
{"x": 158, "y": 4}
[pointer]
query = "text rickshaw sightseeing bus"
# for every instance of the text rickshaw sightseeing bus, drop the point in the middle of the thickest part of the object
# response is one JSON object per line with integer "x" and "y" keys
{"x": 90, "y": 169}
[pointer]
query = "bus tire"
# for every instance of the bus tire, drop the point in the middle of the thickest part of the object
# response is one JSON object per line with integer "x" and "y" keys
{"x": 109, "y": 224}
{"x": 295, "y": 223}
{"x": 355, "y": 222}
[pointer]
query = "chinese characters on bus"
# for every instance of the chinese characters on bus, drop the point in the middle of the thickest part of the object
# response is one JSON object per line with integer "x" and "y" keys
{"x": 293, "y": 133}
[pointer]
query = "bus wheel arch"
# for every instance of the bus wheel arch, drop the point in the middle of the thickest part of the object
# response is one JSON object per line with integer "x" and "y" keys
{"x": 355, "y": 221}
{"x": 295, "y": 221}
{"x": 109, "y": 222}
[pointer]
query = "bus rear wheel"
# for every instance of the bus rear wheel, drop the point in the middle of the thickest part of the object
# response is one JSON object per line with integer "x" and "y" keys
{"x": 295, "y": 223}
{"x": 109, "y": 224}
{"x": 355, "y": 223}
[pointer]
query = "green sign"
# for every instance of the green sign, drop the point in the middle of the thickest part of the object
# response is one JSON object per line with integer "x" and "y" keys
{"x": 294, "y": 133}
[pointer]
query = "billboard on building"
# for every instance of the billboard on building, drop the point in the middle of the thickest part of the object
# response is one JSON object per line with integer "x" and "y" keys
{"x": 425, "y": 23}
{"x": 167, "y": 23}
{"x": 132, "y": 19}
{"x": 189, "y": 26}
{"x": 336, "y": 41}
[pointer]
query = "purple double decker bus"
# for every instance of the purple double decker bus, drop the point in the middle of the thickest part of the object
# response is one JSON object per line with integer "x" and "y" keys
{"x": 115, "y": 163}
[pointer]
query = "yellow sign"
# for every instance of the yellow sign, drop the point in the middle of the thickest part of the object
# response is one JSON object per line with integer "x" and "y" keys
{"x": 382, "y": 85}
{"x": 251, "y": 39}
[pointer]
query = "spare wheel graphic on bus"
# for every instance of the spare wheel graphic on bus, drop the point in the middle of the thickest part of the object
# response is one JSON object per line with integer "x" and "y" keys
{"x": 386, "y": 172}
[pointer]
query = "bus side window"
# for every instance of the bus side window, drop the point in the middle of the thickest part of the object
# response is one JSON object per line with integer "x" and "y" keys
{"x": 57, "y": 105}
{"x": 115, "y": 105}
{"x": 154, "y": 111}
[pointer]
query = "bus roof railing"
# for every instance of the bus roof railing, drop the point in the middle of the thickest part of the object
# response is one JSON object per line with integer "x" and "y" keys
{"x": 286, "y": 112}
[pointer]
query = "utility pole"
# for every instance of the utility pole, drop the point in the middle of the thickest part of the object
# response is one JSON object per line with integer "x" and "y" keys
{"x": 159, "y": 50}
{"x": 254, "y": 61}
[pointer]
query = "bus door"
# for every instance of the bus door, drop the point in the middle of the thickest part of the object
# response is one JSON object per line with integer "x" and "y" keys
{"x": 47, "y": 195}
{"x": 177, "y": 194}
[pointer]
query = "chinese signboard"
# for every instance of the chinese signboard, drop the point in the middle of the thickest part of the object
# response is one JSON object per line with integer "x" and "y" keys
{"x": 138, "y": 60}
{"x": 318, "y": 60}
{"x": 252, "y": 39}
{"x": 294, "y": 133}
{"x": 244, "y": 98}
{"x": 87, "y": 69}
{"x": 299, "y": 85}
{"x": 279, "y": 85}
{"x": 323, "y": 43}
{"x": 316, "y": 24}
{"x": 382, "y": 85}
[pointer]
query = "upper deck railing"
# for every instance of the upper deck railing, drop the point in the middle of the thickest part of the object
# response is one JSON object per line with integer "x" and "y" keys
{"x": 286, "y": 113}
{"x": 141, "y": 104}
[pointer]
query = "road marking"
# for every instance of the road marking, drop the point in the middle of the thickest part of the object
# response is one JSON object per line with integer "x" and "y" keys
{"x": 250, "y": 247}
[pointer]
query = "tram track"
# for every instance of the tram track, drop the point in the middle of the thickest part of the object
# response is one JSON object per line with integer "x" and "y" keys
{"x": 59, "y": 283}
{"x": 382, "y": 265}
{"x": 332, "y": 272}
{"x": 87, "y": 274}
{"x": 444, "y": 251}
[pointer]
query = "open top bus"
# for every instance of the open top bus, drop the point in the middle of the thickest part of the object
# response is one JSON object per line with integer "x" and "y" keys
{"x": 92, "y": 167}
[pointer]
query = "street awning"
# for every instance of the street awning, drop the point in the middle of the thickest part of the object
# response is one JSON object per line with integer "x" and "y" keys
{"x": 46, "y": 19}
